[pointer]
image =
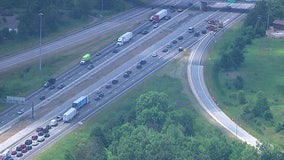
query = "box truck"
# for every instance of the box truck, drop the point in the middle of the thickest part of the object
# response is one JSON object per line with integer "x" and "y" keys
{"x": 70, "y": 114}
{"x": 160, "y": 15}
{"x": 124, "y": 38}
{"x": 80, "y": 102}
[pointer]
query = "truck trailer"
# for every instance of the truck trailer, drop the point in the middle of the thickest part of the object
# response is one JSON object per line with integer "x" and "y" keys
{"x": 86, "y": 58}
{"x": 160, "y": 15}
{"x": 80, "y": 102}
{"x": 69, "y": 115}
{"x": 124, "y": 38}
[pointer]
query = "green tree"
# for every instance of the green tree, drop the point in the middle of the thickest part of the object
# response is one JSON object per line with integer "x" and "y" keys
{"x": 261, "y": 105}
{"x": 226, "y": 62}
{"x": 241, "y": 97}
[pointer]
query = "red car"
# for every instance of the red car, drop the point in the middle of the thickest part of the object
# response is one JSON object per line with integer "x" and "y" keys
{"x": 34, "y": 137}
{"x": 23, "y": 146}
{"x": 14, "y": 152}
{"x": 24, "y": 150}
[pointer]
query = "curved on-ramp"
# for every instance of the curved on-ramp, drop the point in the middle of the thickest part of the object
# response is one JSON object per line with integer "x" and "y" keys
{"x": 201, "y": 93}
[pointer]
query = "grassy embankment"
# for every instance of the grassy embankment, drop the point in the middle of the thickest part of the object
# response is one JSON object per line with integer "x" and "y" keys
{"x": 261, "y": 71}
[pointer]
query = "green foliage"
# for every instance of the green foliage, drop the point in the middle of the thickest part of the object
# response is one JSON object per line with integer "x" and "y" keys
{"x": 241, "y": 97}
{"x": 261, "y": 105}
{"x": 239, "y": 83}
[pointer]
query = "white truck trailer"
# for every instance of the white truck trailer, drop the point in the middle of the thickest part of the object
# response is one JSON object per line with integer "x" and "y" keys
{"x": 160, "y": 15}
{"x": 124, "y": 38}
{"x": 70, "y": 114}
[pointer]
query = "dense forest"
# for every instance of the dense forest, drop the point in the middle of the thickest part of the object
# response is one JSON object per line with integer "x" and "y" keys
{"x": 56, "y": 13}
{"x": 157, "y": 129}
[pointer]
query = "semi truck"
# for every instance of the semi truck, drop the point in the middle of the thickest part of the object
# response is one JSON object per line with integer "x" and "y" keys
{"x": 69, "y": 114}
{"x": 159, "y": 15}
{"x": 124, "y": 38}
{"x": 80, "y": 102}
{"x": 86, "y": 58}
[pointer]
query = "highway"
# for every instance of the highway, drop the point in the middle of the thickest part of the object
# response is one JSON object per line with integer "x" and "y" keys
{"x": 167, "y": 32}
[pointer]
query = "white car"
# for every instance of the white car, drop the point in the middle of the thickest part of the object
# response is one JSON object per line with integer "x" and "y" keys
{"x": 35, "y": 143}
{"x": 41, "y": 139}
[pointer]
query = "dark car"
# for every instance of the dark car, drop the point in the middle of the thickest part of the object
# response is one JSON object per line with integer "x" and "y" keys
{"x": 90, "y": 66}
{"x": 145, "y": 32}
{"x": 167, "y": 17}
{"x": 180, "y": 49}
{"x": 143, "y": 62}
{"x": 42, "y": 97}
{"x": 41, "y": 133}
{"x": 165, "y": 50}
{"x": 100, "y": 93}
{"x": 18, "y": 148}
{"x": 28, "y": 142}
{"x": 180, "y": 38}
{"x": 45, "y": 130}
{"x": 19, "y": 154}
{"x": 39, "y": 129}
{"x": 115, "y": 81}
{"x": 59, "y": 118}
{"x": 204, "y": 31}
{"x": 49, "y": 82}
{"x": 48, "y": 127}
{"x": 115, "y": 50}
{"x": 197, "y": 34}
{"x": 138, "y": 66}
{"x": 61, "y": 86}
{"x": 125, "y": 75}
{"x": 29, "y": 148}
{"x": 97, "y": 98}
{"x": 51, "y": 87}
{"x": 46, "y": 135}
{"x": 107, "y": 86}
{"x": 174, "y": 41}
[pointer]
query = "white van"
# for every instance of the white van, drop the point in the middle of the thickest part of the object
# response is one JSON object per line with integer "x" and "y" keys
{"x": 53, "y": 123}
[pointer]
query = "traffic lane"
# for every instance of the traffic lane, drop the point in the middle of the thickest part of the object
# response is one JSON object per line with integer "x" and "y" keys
{"x": 69, "y": 41}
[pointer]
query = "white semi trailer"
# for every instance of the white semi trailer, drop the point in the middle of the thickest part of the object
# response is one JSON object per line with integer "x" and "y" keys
{"x": 124, "y": 38}
{"x": 70, "y": 114}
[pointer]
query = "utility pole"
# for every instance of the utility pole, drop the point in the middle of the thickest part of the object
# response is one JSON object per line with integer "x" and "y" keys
{"x": 40, "y": 53}
{"x": 102, "y": 7}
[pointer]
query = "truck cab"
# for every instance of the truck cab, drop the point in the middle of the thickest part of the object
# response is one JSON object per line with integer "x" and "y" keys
{"x": 85, "y": 58}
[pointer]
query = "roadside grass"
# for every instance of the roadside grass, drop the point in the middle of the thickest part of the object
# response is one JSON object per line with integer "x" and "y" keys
{"x": 167, "y": 80}
{"x": 26, "y": 79}
{"x": 261, "y": 71}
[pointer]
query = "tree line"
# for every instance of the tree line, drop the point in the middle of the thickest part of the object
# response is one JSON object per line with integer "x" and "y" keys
{"x": 157, "y": 129}
{"x": 56, "y": 13}
{"x": 255, "y": 25}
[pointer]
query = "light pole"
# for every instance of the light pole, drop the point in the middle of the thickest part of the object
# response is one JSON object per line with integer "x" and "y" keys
{"x": 40, "y": 24}
{"x": 102, "y": 7}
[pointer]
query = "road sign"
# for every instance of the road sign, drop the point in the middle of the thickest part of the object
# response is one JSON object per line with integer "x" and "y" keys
{"x": 16, "y": 100}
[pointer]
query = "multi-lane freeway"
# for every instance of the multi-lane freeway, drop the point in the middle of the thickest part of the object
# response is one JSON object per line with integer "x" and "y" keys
{"x": 111, "y": 67}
